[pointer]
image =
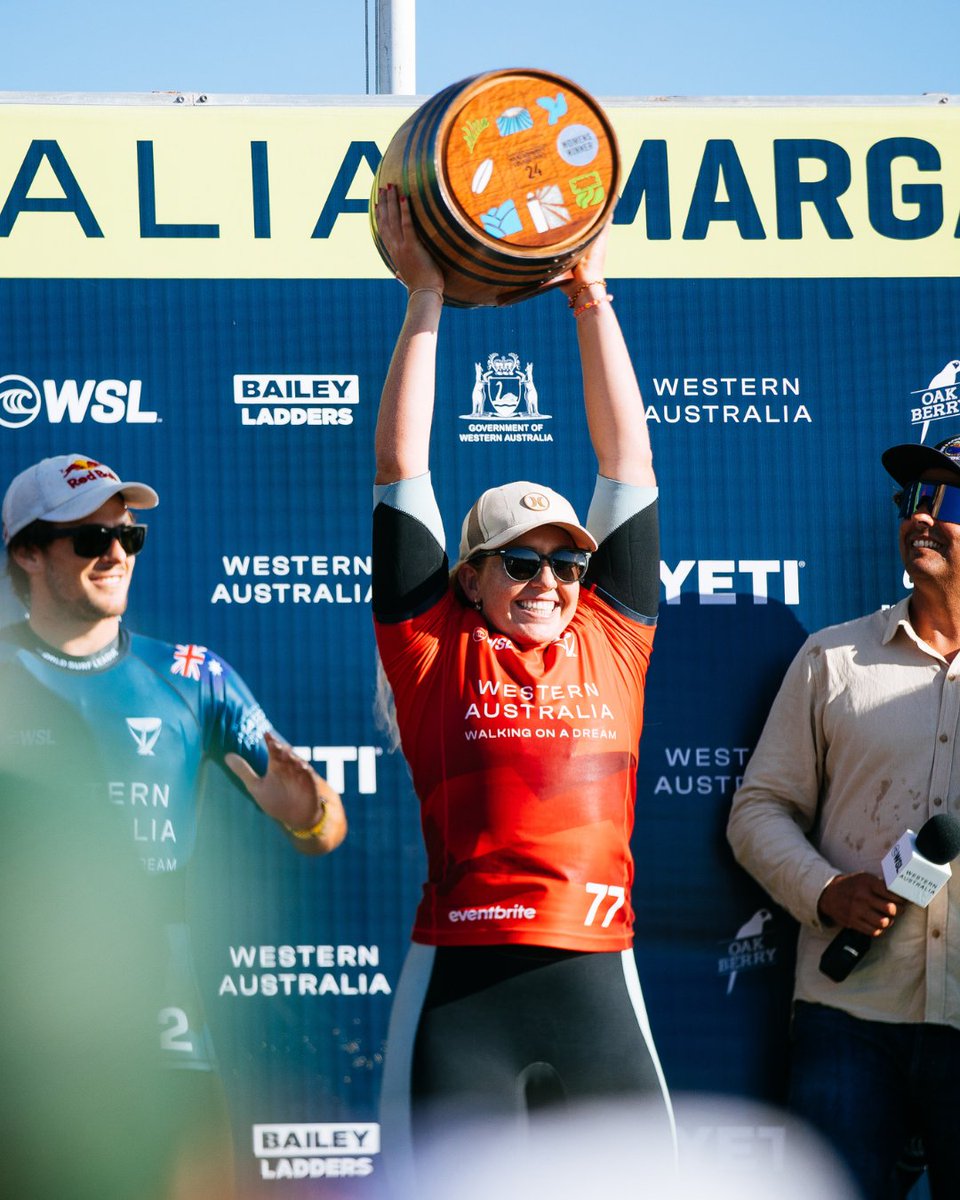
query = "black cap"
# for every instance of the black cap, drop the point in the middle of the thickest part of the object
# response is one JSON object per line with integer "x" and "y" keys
{"x": 908, "y": 462}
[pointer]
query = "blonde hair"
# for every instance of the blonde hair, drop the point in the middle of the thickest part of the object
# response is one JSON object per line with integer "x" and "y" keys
{"x": 384, "y": 701}
{"x": 385, "y": 708}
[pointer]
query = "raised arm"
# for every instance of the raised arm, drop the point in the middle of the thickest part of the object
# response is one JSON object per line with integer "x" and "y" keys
{"x": 614, "y": 406}
{"x": 406, "y": 404}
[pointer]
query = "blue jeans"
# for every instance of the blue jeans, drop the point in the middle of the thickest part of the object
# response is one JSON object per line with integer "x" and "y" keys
{"x": 867, "y": 1086}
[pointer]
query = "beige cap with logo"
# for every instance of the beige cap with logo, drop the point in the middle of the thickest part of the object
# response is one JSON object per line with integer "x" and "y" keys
{"x": 504, "y": 513}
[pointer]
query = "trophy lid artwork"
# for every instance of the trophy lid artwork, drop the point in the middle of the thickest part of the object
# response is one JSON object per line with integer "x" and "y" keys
{"x": 510, "y": 175}
{"x": 526, "y": 163}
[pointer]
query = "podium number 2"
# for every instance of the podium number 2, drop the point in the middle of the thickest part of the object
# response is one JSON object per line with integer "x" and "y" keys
{"x": 171, "y": 1037}
{"x": 600, "y": 891}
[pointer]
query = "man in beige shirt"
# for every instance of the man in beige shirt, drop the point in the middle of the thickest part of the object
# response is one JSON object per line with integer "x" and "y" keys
{"x": 858, "y": 747}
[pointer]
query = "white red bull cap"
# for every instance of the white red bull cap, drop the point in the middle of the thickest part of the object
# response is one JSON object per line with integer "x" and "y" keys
{"x": 66, "y": 488}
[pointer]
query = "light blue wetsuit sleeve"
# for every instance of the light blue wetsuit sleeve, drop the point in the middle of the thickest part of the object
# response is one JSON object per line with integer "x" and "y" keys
{"x": 415, "y": 498}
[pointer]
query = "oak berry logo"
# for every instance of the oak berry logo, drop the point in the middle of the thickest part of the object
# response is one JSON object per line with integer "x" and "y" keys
{"x": 938, "y": 400}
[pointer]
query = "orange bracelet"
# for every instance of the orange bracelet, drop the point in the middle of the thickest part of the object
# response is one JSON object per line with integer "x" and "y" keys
{"x": 572, "y": 300}
{"x": 607, "y": 299}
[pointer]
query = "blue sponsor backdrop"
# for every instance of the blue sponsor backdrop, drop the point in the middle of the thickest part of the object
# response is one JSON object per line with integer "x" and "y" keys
{"x": 776, "y": 521}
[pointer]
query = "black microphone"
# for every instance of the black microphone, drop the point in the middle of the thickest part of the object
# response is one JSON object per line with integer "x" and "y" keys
{"x": 915, "y": 867}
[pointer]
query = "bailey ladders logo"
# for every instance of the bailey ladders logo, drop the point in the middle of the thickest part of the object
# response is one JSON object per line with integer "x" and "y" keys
{"x": 296, "y": 399}
{"x": 505, "y": 403}
{"x": 316, "y": 1150}
{"x": 938, "y": 400}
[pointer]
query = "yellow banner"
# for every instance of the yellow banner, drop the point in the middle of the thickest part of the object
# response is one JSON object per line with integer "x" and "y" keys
{"x": 267, "y": 191}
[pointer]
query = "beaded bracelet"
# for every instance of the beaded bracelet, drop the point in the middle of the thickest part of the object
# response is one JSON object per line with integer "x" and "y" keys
{"x": 572, "y": 300}
{"x": 433, "y": 291}
{"x": 607, "y": 299}
{"x": 312, "y": 832}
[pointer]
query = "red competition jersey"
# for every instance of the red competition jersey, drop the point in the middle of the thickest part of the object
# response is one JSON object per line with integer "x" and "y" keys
{"x": 525, "y": 764}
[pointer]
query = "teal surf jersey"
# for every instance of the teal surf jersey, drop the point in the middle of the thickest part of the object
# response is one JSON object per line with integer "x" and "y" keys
{"x": 123, "y": 738}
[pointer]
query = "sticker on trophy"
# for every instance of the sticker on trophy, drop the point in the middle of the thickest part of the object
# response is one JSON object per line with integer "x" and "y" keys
{"x": 577, "y": 145}
{"x": 472, "y": 131}
{"x": 588, "y": 190}
{"x": 556, "y": 107}
{"x": 502, "y": 221}
{"x": 514, "y": 120}
{"x": 546, "y": 208}
{"x": 481, "y": 176}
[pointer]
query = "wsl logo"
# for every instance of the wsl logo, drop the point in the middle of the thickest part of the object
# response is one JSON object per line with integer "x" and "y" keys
{"x": 938, "y": 400}
{"x": 105, "y": 401}
{"x": 19, "y": 401}
{"x": 504, "y": 403}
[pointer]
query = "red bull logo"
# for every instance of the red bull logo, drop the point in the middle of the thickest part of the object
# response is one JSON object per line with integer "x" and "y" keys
{"x": 80, "y": 464}
{"x": 90, "y": 470}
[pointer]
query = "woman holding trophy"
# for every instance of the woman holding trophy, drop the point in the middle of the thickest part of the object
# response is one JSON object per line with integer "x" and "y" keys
{"x": 518, "y": 682}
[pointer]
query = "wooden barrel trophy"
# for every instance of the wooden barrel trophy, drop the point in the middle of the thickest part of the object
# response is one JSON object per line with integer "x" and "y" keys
{"x": 510, "y": 176}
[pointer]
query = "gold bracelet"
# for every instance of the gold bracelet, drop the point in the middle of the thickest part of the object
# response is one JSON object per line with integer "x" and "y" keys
{"x": 314, "y": 830}
{"x": 607, "y": 299}
{"x": 572, "y": 300}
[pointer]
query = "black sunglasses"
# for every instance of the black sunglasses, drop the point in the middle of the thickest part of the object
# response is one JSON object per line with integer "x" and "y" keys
{"x": 93, "y": 541}
{"x": 522, "y": 563}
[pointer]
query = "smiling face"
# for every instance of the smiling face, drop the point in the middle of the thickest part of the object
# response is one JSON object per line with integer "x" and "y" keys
{"x": 930, "y": 549}
{"x": 71, "y": 596}
{"x": 534, "y": 613}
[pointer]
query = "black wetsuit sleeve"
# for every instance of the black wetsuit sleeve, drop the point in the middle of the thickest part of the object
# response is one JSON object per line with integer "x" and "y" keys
{"x": 625, "y": 569}
{"x": 410, "y": 567}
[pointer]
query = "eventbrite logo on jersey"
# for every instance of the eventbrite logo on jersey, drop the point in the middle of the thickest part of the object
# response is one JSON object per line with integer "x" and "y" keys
{"x": 72, "y": 401}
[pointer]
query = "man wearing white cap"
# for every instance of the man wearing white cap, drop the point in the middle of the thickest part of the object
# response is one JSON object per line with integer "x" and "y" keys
{"x": 95, "y": 719}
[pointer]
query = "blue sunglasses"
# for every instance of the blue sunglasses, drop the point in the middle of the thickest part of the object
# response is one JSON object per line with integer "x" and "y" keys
{"x": 940, "y": 500}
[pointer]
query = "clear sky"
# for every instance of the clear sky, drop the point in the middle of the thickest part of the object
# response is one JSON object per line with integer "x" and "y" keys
{"x": 611, "y": 47}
